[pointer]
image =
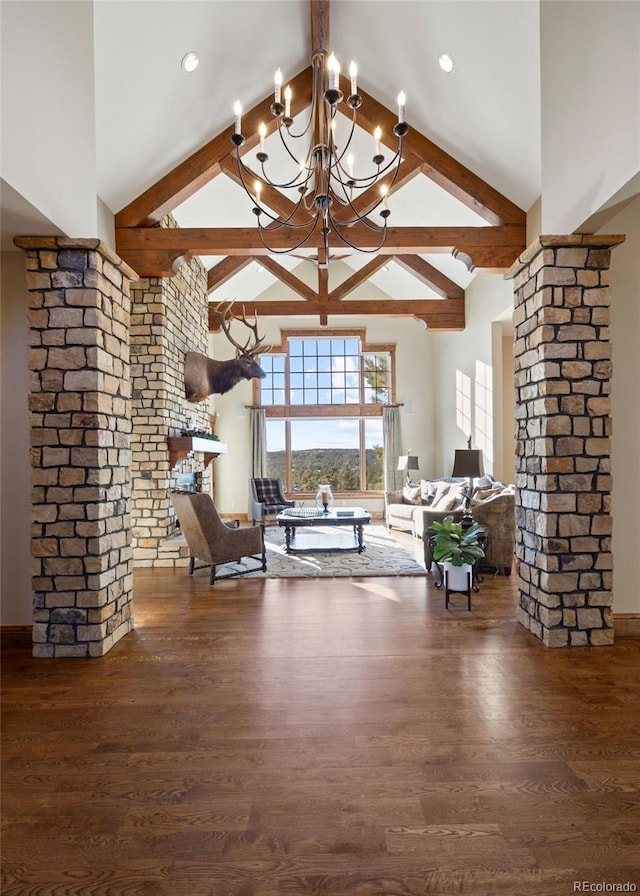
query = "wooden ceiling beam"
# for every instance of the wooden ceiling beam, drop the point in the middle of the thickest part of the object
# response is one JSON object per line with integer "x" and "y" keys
{"x": 285, "y": 276}
{"x": 204, "y": 164}
{"x": 357, "y": 279}
{"x": 320, "y": 25}
{"x": 442, "y": 168}
{"x": 270, "y": 196}
{"x": 368, "y": 199}
{"x": 430, "y": 276}
{"x": 438, "y": 314}
{"x": 225, "y": 269}
{"x": 488, "y": 248}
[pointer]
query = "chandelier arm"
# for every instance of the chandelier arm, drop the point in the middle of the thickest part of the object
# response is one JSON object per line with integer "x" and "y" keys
{"x": 287, "y": 185}
{"x": 337, "y": 229}
{"x": 286, "y": 146}
{"x": 347, "y": 144}
{"x": 279, "y": 220}
{"x": 272, "y": 251}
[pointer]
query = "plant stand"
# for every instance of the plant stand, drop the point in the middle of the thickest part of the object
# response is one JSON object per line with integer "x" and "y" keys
{"x": 449, "y": 591}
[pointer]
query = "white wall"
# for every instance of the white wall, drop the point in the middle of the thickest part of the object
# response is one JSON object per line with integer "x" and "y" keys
{"x": 625, "y": 331}
{"x": 48, "y": 110}
{"x": 15, "y": 496}
{"x": 489, "y": 297}
{"x": 590, "y": 81}
{"x": 414, "y": 387}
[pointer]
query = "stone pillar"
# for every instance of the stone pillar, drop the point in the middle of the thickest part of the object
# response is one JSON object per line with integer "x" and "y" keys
{"x": 562, "y": 380}
{"x": 169, "y": 317}
{"x": 80, "y": 456}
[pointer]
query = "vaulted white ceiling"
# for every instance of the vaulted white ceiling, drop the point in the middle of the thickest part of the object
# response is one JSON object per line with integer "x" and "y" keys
{"x": 151, "y": 115}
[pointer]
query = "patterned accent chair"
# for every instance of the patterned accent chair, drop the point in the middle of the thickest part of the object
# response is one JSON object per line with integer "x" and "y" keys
{"x": 211, "y": 540}
{"x": 266, "y": 499}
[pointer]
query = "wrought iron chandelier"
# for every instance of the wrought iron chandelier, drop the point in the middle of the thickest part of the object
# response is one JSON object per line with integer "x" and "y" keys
{"x": 323, "y": 173}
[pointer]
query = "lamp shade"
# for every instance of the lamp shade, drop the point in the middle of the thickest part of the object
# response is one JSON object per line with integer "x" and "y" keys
{"x": 468, "y": 463}
{"x": 408, "y": 462}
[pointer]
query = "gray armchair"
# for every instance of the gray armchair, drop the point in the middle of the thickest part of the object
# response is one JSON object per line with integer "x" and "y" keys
{"x": 212, "y": 540}
{"x": 266, "y": 499}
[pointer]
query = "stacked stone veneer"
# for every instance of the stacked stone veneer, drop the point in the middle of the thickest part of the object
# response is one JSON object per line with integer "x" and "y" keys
{"x": 80, "y": 455}
{"x": 169, "y": 317}
{"x": 562, "y": 378}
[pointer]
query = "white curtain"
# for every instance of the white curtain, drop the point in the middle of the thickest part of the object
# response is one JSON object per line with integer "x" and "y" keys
{"x": 392, "y": 438}
{"x": 258, "y": 435}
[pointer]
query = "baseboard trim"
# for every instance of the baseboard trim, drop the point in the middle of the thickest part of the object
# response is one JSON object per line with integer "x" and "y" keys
{"x": 626, "y": 625}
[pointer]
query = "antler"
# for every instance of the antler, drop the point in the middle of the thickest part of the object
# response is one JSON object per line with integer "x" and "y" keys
{"x": 226, "y": 328}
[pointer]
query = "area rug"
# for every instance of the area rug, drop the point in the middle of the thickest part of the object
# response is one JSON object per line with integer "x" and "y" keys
{"x": 382, "y": 556}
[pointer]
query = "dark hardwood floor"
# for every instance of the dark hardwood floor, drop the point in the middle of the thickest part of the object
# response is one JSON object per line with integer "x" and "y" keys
{"x": 313, "y": 737}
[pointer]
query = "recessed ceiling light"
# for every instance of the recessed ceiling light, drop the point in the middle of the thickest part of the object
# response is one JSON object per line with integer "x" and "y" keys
{"x": 446, "y": 62}
{"x": 190, "y": 61}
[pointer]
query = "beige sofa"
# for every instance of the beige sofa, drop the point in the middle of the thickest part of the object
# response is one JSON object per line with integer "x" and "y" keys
{"x": 405, "y": 509}
{"x": 492, "y": 506}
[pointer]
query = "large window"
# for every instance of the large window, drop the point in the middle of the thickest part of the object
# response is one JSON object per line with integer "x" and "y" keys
{"x": 323, "y": 396}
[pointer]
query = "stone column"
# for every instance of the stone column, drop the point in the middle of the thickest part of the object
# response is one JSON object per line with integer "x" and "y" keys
{"x": 563, "y": 427}
{"x": 80, "y": 454}
{"x": 169, "y": 317}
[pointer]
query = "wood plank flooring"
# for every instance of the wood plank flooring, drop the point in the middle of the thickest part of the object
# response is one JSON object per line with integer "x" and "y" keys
{"x": 325, "y": 737}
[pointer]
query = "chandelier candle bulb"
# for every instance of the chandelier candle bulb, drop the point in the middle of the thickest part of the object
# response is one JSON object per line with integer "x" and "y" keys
{"x": 237, "y": 111}
{"x": 376, "y": 141}
{"x": 401, "y": 104}
{"x": 353, "y": 74}
{"x": 327, "y": 184}
{"x": 334, "y": 72}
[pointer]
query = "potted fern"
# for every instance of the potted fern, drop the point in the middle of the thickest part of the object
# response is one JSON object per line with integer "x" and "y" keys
{"x": 457, "y": 549}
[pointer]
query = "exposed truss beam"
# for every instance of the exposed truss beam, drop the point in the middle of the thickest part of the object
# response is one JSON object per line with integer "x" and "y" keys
{"x": 442, "y": 168}
{"x": 288, "y": 278}
{"x": 438, "y": 314}
{"x": 409, "y": 168}
{"x": 225, "y": 269}
{"x": 486, "y": 248}
{"x": 357, "y": 279}
{"x": 430, "y": 276}
{"x": 204, "y": 164}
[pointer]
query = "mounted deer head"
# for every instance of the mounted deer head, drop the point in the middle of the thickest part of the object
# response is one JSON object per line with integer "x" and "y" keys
{"x": 205, "y": 376}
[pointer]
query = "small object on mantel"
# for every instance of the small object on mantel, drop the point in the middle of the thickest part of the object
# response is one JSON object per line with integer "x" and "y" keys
{"x": 180, "y": 446}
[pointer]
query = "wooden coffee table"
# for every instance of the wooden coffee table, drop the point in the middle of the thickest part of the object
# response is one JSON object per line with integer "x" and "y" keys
{"x": 294, "y": 519}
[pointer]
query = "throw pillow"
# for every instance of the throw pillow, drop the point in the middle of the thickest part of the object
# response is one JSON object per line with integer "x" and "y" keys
{"x": 426, "y": 491}
{"x": 442, "y": 490}
{"x": 452, "y": 501}
{"x": 411, "y": 494}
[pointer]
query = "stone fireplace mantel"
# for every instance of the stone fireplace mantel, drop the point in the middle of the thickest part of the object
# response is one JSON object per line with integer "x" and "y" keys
{"x": 180, "y": 446}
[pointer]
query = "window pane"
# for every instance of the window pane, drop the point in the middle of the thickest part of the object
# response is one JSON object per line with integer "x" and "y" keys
{"x": 352, "y": 347}
{"x": 376, "y": 377}
{"x": 325, "y": 451}
{"x": 295, "y": 347}
{"x": 296, "y": 365}
{"x": 310, "y": 347}
{"x": 374, "y": 454}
